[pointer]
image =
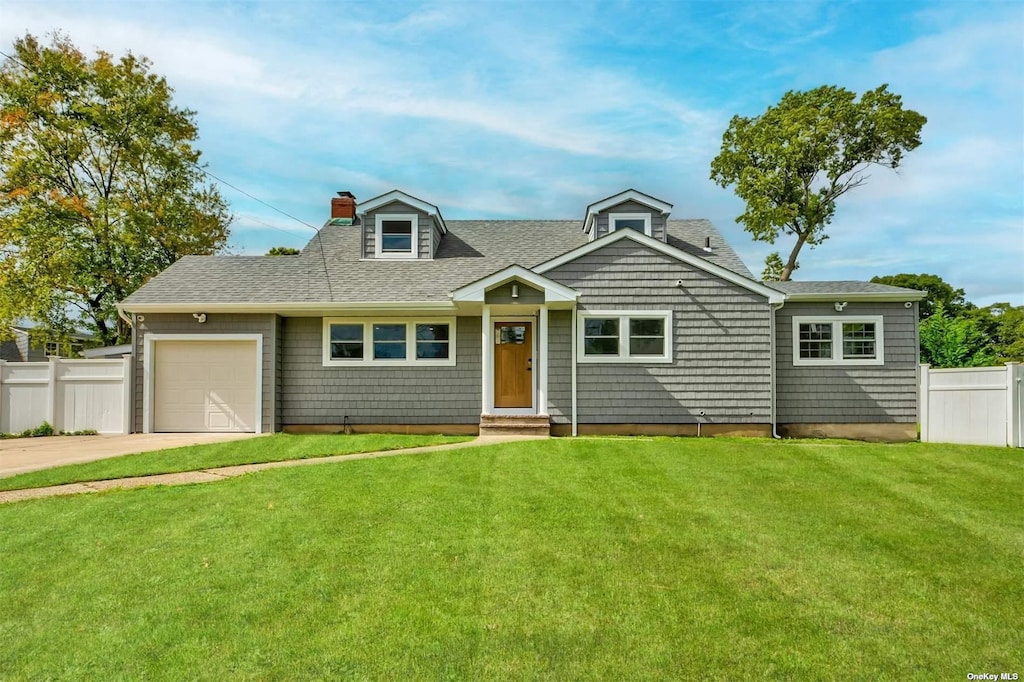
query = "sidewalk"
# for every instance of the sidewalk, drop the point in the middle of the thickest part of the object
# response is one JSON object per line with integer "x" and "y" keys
{"x": 220, "y": 473}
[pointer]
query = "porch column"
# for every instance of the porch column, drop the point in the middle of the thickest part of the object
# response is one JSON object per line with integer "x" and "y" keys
{"x": 487, "y": 381}
{"x": 542, "y": 378}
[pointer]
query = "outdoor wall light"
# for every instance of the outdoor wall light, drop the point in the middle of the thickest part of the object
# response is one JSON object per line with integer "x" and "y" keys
{"x": 839, "y": 306}
{"x": 201, "y": 317}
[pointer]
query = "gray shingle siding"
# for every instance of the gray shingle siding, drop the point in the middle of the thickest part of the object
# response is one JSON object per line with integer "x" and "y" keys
{"x": 872, "y": 394}
{"x": 560, "y": 366}
{"x": 503, "y": 294}
{"x": 314, "y": 394}
{"x": 657, "y": 219}
{"x": 721, "y": 342}
{"x": 184, "y": 323}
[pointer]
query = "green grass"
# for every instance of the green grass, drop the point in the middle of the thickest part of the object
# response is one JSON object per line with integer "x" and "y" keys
{"x": 272, "y": 448}
{"x": 565, "y": 559}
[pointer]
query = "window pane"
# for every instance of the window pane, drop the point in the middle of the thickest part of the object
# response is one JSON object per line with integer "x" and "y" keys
{"x": 389, "y": 342}
{"x": 596, "y": 326}
{"x": 646, "y": 345}
{"x": 388, "y": 350}
{"x": 631, "y": 223}
{"x": 432, "y": 350}
{"x": 346, "y": 332}
{"x": 431, "y": 332}
{"x": 859, "y": 341}
{"x": 601, "y": 346}
{"x": 640, "y": 327}
{"x": 815, "y": 340}
{"x": 346, "y": 351}
{"x": 513, "y": 334}
{"x": 396, "y": 236}
{"x": 389, "y": 332}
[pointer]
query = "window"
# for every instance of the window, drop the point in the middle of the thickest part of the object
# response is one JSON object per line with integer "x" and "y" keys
{"x": 837, "y": 341}
{"x": 349, "y": 341}
{"x": 346, "y": 341}
{"x": 397, "y": 235}
{"x": 641, "y": 222}
{"x": 625, "y": 336}
{"x": 52, "y": 349}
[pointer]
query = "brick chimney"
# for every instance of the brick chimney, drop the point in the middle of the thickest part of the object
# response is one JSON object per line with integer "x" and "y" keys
{"x": 343, "y": 206}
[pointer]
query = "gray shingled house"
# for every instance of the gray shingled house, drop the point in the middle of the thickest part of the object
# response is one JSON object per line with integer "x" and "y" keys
{"x": 623, "y": 322}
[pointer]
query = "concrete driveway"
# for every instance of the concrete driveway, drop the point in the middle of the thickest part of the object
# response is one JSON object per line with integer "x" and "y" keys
{"x": 18, "y": 455}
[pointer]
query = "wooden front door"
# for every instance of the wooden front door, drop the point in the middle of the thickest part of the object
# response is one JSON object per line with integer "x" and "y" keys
{"x": 513, "y": 360}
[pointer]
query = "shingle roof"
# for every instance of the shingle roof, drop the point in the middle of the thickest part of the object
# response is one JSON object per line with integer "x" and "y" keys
{"x": 472, "y": 249}
{"x": 839, "y": 288}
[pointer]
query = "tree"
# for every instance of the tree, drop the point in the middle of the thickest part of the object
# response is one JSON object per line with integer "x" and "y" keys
{"x": 939, "y": 292}
{"x": 954, "y": 341}
{"x": 792, "y": 162}
{"x": 1004, "y": 324}
{"x": 100, "y": 187}
{"x": 283, "y": 251}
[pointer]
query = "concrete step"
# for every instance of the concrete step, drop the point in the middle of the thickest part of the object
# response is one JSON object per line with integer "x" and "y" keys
{"x": 515, "y": 425}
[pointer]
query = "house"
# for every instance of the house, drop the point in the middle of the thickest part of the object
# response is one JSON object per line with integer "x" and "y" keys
{"x": 24, "y": 346}
{"x": 624, "y": 321}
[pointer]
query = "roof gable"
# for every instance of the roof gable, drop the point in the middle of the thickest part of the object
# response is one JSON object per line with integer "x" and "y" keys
{"x": 772, "y": 295}
{"x": 553, "y": 291}
{"x": 628, "y": 195}
{"x": 434, "y": 212}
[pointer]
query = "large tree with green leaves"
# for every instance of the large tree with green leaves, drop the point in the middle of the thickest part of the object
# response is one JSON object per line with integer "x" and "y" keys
{"x": 792, "y": 163}
{"x": 939, "y": 292}
{"x": 100, "y": 187}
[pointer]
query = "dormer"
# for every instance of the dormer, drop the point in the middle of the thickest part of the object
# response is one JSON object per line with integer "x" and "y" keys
{"x": 629, "y": 210}
{"x": 398, "y": 226}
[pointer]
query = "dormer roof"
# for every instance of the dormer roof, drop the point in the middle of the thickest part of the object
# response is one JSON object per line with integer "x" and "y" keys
{"x": 633, "y": 195}
{"x": 434, "y": 212}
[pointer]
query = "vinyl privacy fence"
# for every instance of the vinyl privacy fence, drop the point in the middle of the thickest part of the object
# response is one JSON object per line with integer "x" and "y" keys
{"x": 71, "y": 395}
{"x": 978, "y": 406}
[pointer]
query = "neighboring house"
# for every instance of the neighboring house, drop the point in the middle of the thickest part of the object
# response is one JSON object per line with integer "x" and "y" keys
{"x": 623, "y": 322}
{"x": 25, "y": 345}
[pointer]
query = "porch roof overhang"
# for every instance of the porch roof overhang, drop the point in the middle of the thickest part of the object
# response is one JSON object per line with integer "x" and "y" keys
{"x": 555, "y": 295}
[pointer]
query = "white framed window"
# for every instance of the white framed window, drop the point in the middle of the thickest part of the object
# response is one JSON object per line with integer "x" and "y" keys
{"x": 641, "y": 222}
{"x": 830, "y": 340}
{"x": 643, "y": 336}
{"x": 51, "y": 349}
{"x": 397, "y": 235}
{"x": 351, "y": 341}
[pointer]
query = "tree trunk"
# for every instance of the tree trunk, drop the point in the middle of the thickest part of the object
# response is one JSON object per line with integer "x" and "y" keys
{"x": 791, "y": 263}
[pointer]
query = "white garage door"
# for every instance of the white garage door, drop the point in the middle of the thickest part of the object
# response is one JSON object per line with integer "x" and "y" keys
{"x": 204, "y": 386}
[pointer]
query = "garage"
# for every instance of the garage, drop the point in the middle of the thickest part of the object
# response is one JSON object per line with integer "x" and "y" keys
{"x": 203, "y": 385}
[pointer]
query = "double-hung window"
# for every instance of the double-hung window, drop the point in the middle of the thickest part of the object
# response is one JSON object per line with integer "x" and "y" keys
{"x": 641, "y": 222}
{"x": 355, "y": 342}
{"x": 625, "y": 336}
{"x": 837, "y": 340}
{"x": 396, "y": 235}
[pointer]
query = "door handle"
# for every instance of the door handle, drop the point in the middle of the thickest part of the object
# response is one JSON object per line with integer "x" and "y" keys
{"x": 529, "y": 364}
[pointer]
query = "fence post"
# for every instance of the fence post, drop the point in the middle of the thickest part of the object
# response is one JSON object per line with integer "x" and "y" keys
{"x": 3, "y": 363}
{"x": 129, "y": 394}
{"x": 51, "y": 407}
{"x": 922, "y": 401}
{"x": 1012, "y": 405}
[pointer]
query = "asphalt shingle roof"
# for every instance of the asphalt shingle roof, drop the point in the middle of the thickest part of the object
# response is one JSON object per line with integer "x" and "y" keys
{"x": 472, "y": 249}
{"x": 838, "y": 288}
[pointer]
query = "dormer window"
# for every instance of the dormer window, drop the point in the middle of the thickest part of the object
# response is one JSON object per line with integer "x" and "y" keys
{"x": 641, "y": 222}
{"x": 397, "y": 235}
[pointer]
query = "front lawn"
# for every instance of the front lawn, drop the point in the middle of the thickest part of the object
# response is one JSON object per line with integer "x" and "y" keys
{"x": 271, "y": 448}
{"x": 565, "y": 559}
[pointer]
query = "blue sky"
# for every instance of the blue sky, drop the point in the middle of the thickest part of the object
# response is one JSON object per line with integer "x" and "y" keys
{"x": 535, "y": 109}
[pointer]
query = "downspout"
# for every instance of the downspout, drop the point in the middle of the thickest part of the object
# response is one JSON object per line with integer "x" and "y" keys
{"x": 575, "y": 422}
{"x": 771, "y": 374}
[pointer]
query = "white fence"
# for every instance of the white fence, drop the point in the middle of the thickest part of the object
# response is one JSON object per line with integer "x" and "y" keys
{"x": 980, "y": 405}
{"x": 71, "y": 395}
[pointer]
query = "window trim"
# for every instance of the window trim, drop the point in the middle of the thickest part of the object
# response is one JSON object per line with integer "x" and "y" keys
{"x": 646, "y": 217}
{"x": 623, "y": 356}
{"x": 368, "y": 360}
{"x": 837, "y": 322}
{"x": 414, "y": 221}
